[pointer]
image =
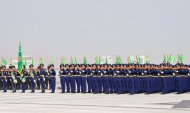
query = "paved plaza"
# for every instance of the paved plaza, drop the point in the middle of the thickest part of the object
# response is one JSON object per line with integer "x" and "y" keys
{"x": 93, "y": 103}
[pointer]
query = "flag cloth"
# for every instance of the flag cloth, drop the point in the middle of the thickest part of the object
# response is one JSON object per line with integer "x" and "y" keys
{"x": 107, "y": 60}
{"x": 11, "y": 62}
{"x": 3, "y": 61}
{"x": 63, "y": 60}
{"x": 72, "y": 62}
{"x": 32, "y": 61}
{"x": 180, "y": 58}
{"x": 85, "y": 60}
{"x": 40, "y": 60}
{"x": 25, "y": 62}
{"x": 97, "y": 60}
{"x": 131, "y": 60}
{"x": 147, "y": 59}
{"x": 117, "y": 60}
{"x": 20, "y": 58}
{"x": 75, "y": 61}
{"x": 120, "y": 60}
{"x": 165, "y": 59}
{"x": 138, "y": 59}
{"x": 171, "y": 59}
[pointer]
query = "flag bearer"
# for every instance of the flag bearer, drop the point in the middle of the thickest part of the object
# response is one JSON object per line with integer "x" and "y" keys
{"x": 23, "y": 76}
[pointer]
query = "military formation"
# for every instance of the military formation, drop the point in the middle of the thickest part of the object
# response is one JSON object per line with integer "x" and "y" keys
{"x": 99, "y": 78}
{"x": 27, "y": 79}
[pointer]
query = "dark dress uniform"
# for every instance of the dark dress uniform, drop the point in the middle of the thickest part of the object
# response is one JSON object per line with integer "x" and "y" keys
{"x": 24, "y": 74}
{"x": 32, "y": 79}
{"x": 4, "y": 80}
{"x": 43, "y": 76}
{"x": 89, "y": 74}
{"x": 52, "y": 79}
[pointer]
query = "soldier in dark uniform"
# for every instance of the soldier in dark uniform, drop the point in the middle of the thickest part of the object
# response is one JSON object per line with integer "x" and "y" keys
{"x": 4, "y": 78}
{"x": 89, "y": 73}
{"x": 13, "y": 77}
{"x": 23, "y": 76}
{"x": 62, "y": 75}
{"x": 43, "y": 76}
{"x": 38, "y": 77}
{"x": 72, "y": 78}
{"x": 83, "y": 78}
{"x": 52, "y": 78}
{"x": 1, "y": 74}
{"x": 32, "y": 78}
{"x": 110, "y": 78}
{"x": 105, "y": 79}
{"x": 78, "y": 77}
{"x": 67, "y": 78}
{"x": 98, "y": 74}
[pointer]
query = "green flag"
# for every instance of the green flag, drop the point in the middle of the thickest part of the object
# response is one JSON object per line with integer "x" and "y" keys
{"x": 120, "y": 60}
{"x": 147, "y": 59}
{"x": 3, "y": 61}
{"x": 32, "y": 61}
{"x": 20, "y": 58}
{"x": 116, "y": 60}
{"x": 131, "y": 60}
{"x": 25, "y": 62}
{"x": 75, "y": 61}
{"x": 97, "y": 60}
{"x": 107, "y": 60}
{"x": 180, "y": 58}
{"x": 11, "y": 62}
{"x": 85, "y": 60}
{"x": 171, "y": 58}
{"x": 138, "y": 59}
{"x": 165, "y": 59}
{"x": 51, "y": 61}
{"x": 72, "y": 61}
{"x": 40, "y": 60}
{"x": 63, "y": 60}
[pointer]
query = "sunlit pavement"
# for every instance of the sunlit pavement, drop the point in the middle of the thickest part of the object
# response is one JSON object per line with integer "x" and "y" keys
{"x": 93, "y": 103}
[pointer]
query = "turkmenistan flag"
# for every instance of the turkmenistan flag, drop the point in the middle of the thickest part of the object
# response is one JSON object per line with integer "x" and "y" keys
{"x": 97, "y": 60}
{"x": 20, "y": 58}
{"x": 63, "y": 60}
{"x": 40, "y": 60}
{"x": 32, "y": 61}
{"x": 85, "y": 60}
{"x": 117, "y": 60}
{"x": 72, "y": 61}
{"x": 180, "y": 58}
{"x": 171, "y": 58}
{"x": 25, "y": 62}
{"x": 3, "y": 61}
{"x": 138, "y": 59}
{"x": 120, "y": 60}
{"x": 107, "y": 60}
{"x": 75, "y": 61}
{"x": 165, "y": 59}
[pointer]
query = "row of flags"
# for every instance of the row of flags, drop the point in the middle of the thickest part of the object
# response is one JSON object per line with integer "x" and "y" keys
{"x": 171, "y": 59}
{"x": 98, "y": 60}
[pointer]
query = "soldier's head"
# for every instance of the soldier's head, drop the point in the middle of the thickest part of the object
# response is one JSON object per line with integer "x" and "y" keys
{"x": 4, "y": 67}
{"x": 62, "y": 66}
{"x": 52, "y": 66}
{"x": 31, "y": 67}
{"x": 41, "y": 66}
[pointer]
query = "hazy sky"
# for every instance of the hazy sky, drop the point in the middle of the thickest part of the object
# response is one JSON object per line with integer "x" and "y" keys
{"x": 54, "y": 28}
